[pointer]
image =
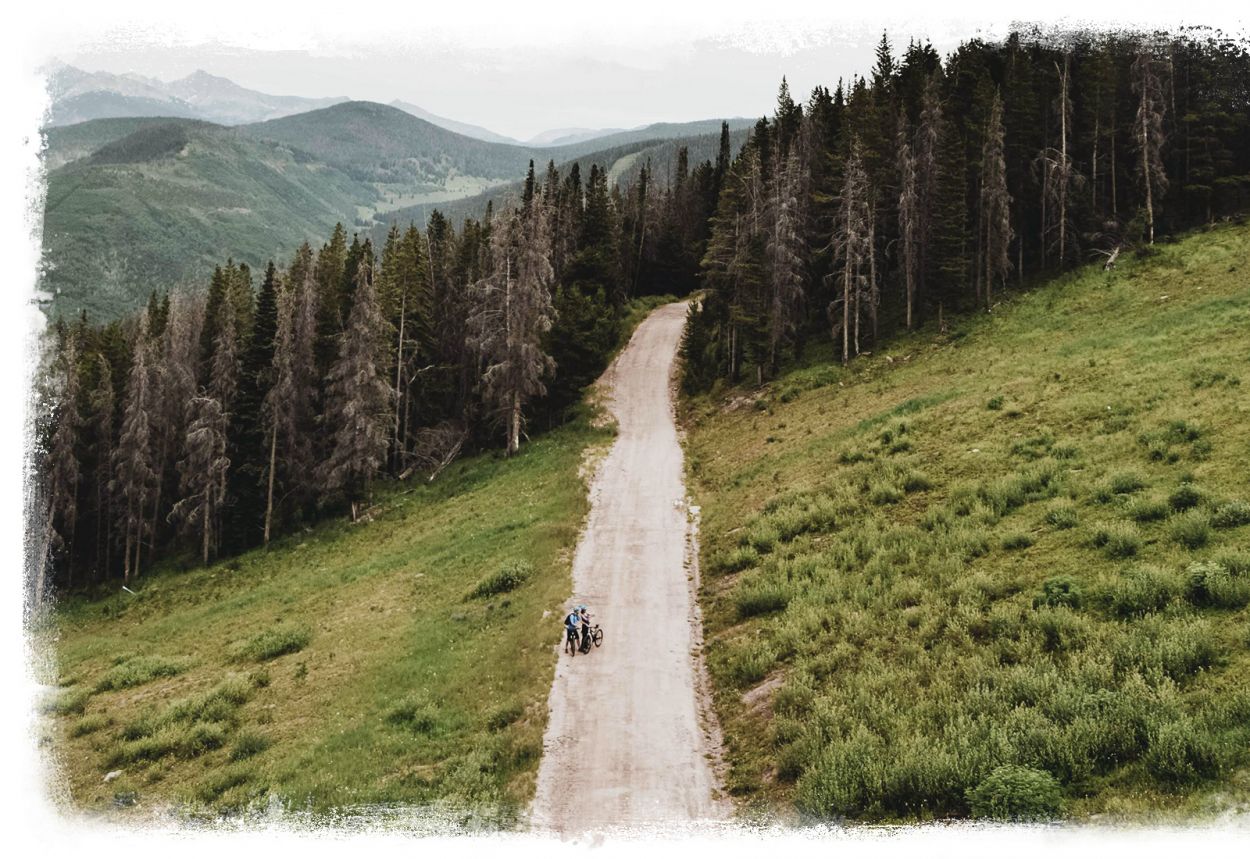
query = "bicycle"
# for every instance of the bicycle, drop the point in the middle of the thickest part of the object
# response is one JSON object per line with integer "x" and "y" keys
{"x": 595, "y": 637}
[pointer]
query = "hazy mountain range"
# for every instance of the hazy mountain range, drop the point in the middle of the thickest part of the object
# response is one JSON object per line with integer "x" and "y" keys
{"x": 78, "y": 96}
{"x": 198, "y": 170}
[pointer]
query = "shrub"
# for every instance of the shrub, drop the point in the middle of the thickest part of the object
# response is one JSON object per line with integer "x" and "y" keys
{"x": 748, "y": 664}
{"x": 1182, "y": 752}
{"x": 510, "y": 576}
{"x": 504, "y": 715}
{"x": 273, "y": 643}
{"x": 916, "y": 481}
{"x": 1018, "y": 540}
{"x": 137, "y": 671}
{"x": 883, "y": 490}
{"x": 67, "y": 701}
{"x": 1231, "y": 514}
{"x": 89, "y": 725}
{"x": 760, "y": 597}
{"x": 1148, "y": 510}
{"x": 1017, "y": 793}
{"x": 1237, "y": 563}
{"x": 1192, "y": 529}
{"x": 1117, "y": 539}
{"x": 761, "y": 535}
{"x": 216, "y": 705}
{"x": 1059, "y": 591}
{"x": 737, "y": 559}
{"x": 1141, "y": 591}
{"x": 1126, "y": 483}
{"x": 201, "y": 738}
{"x": 249, "y": 744}
{"x": 995, "y": 402}
{"x": 150, "y": 748}
{"x": 1062, "y": 517}
{"x": 1185, "y": 497}
{"x": 414, "y": 714}
{"x": 1211, "y": 585}
{"x": 1062, "y": 629}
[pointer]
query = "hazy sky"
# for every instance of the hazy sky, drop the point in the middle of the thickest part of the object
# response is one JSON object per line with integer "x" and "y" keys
{"x": 520, "y": 91}
{"x": 520, "y": 68}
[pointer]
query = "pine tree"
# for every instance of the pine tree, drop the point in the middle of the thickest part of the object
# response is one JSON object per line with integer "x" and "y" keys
{"x": 511, "y": 313}
{"x": 1148, "y": 131}
{"x": 358, "y": 398}
{"x": 995, "y": 201}
{"x": 786, "y": 250}
{"x": 134, "y": 478}
{"x": 204, "y": 472}
{"x": 909, "y": 221}
{"x": 852, "y": 243}
{"x": 61, "y": 467}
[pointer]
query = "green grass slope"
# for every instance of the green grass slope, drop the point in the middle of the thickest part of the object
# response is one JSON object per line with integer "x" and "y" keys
{"x": 403, "y": 661}
{"x": 1002, "y": 571}
{"x": 159, "y": 207}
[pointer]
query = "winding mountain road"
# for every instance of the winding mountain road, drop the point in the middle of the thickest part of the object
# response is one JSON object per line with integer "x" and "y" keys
{"x": 625, "y": 745}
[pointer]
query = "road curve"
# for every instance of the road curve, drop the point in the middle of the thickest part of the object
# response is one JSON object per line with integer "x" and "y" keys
{"x": 624, "y": 746}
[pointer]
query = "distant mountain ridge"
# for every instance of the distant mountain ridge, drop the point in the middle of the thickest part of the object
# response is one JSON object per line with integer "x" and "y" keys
{"x": 80, "y": 96}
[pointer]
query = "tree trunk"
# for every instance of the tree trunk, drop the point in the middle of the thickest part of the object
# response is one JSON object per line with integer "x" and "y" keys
{"x": 273, "y": 457}
{"x": 399, "y": 366}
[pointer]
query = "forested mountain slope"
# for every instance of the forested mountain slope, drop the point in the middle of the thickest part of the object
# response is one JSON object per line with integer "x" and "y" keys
{"x": 156, "y": 209}
{"x": 1022, "y": 540}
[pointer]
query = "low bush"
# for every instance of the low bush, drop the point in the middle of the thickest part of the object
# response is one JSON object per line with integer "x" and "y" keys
{"x": 1017, "y": 540}
{"x": 414, "y": 714}
{"x": 1061, "y": 629}
{"x": 1059, "y": 591}
{"x": 137, "y": 671}
{"x": 504, "y": 715}
{"x": 1062, "y": 517}
{"x": 1148, "y": 510}
{"x": 1185, "y": 497}
{"x": 1126, "y": 483}
{"x": 760, "y": 597}
{"x": 249, "y": 744}
{"x": 89, "y": 724}
{"x": 1117, "y": 539}
{"x": 1017, "y": 793}
{"x": 510, "y": 576}
{"x": 747, "y": 664}
{"x": 737, "y": 559}
{"x": 67, "y": 702}
{"x": 1191, "y": 529}
{"x": 1231, "y": 514}
{"x": 1181, "y": 752}
{"x": 1210, "y": 585}
{"x": 200, "y": 738}
{"x": 1141, "y": 591}
{"x": 273, "y": 643}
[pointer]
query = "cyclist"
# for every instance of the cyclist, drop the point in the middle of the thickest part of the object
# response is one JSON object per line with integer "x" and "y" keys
{"x": 584, "y": 614}
{"x": 571, "y": 624}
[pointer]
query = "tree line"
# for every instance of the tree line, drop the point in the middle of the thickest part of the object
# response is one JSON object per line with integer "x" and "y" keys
{"x": 931, "y": 185}
{"x": 210, "y": 423}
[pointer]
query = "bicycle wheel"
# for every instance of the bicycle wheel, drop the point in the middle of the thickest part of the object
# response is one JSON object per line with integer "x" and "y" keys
{"x": 597, "y": 636}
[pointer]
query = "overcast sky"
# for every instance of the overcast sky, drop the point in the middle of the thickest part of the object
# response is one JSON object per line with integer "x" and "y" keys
{"x": 520, "y": 68}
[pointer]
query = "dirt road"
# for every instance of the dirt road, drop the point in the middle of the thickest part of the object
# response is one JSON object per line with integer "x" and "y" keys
{"x": 624, "y": 745}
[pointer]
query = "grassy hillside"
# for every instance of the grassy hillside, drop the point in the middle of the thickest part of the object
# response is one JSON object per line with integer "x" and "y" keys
{"x": 402, "y": 661}
{"x": 159, "y": 207}
{"x": 1024, "y": 543}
